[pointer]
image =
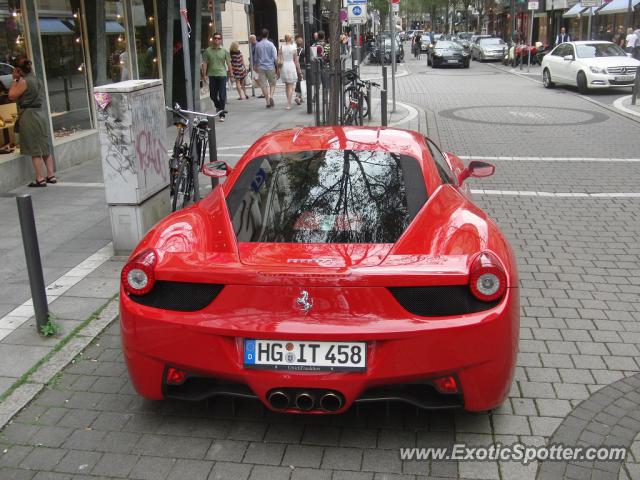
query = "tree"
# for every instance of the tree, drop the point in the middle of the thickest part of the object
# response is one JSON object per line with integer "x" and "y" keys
{"x": 334, "y": 60}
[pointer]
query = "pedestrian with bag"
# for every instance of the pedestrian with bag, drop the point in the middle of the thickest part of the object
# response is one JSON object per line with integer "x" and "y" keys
{"x": 239, "y": 70}
{"x": 28, "y": 91}
{"x": 218, "y": 70}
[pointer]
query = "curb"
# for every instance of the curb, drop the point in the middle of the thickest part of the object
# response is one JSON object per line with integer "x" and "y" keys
{"x": 37, "y": 381}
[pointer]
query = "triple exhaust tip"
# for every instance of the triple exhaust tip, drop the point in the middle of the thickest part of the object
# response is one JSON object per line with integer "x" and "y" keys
{"x": 304, "y": 401}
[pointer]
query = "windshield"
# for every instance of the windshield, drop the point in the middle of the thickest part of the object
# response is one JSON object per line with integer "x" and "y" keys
{"x": 464, "y": 35}
{"x": 446, "y": 45}
{"x": 491, "y": 41}
{"x": 593, "y": 50}
{"x": 327, "y": 196}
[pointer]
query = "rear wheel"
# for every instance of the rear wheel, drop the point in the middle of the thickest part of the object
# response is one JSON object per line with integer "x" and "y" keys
{"x": 546, "y": 79}
{"x": 581, "y": 80}
{"x": 183, "y": 186}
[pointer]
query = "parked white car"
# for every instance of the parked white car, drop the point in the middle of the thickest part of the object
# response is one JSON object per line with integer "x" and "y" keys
{"x": 589, "y": 64}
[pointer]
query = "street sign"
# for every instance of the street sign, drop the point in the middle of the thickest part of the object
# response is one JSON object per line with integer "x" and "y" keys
{"x": 395, "y": 7}
{"x": 356, "y": 2}
{"x": 357, "y": 13}
{"x": 591, "y": 3}
{"x": 532, "y": 6}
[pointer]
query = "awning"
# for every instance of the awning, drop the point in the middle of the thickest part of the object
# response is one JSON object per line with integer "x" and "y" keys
{"x": 577, "y": 9}
{"x": 617, "y": 6}
{"x": 53, "y": 26}
{"x": 112, "y": 27}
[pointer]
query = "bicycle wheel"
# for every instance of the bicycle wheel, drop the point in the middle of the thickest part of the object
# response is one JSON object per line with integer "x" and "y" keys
{"x": 183, "y": 186}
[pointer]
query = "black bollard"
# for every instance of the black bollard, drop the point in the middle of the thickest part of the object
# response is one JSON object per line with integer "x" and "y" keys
{"x": 32, "y": 256}
{"x": 383, "y": 107}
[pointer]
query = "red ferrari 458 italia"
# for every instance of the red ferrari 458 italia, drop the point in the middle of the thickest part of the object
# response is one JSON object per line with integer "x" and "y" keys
{"x": 334, "y": 266}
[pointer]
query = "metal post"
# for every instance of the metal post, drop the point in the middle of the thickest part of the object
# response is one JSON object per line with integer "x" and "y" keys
{"x": 186, "y": 54}
{"x": 629, "y": 15}
{"x": 247, "y": 11}
{"x": 589, "y": 24}
{"x": 32, "y": 256}
{"x": 369, "y": 100}
{"x": 316, "y": 90}
{"x": 530, "y": 41}
{"x": 383, "y": 107}
{"x": 384, "y": 77}
{"x": 392, "y": 29}
{"x": 307, "y": 53}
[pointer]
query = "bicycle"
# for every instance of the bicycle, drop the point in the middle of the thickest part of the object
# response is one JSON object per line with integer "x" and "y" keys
{"x": 356, "y": 100}
{"x": 191, "y": 156}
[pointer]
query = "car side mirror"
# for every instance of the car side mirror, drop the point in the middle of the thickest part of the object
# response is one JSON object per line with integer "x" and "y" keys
{"x": 217, "y": 169}
{"x": 476, "y": 169}
{"x": 568, "y": 58}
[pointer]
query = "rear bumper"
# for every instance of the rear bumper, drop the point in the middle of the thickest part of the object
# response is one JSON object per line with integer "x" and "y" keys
{"x": 478, "y": 349}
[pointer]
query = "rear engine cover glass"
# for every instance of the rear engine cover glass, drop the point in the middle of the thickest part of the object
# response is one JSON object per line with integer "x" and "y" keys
{"x": 327, "y": 196}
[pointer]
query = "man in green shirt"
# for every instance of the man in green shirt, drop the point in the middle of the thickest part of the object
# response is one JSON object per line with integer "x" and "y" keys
{"x": 218, "y": 68}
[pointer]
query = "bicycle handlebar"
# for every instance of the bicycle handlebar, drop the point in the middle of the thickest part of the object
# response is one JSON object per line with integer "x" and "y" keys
{"x": 179, "y": 111}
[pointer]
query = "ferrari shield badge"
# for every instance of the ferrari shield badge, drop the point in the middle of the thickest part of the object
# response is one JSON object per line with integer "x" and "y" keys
{"x": 304, "y": 301}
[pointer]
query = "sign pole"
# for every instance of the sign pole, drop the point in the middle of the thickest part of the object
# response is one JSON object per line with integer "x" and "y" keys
{"x": 533, "y": 6}
{"x": 393, "y": 55}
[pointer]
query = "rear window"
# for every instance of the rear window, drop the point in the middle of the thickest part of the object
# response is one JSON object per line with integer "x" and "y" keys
{"x": 327, "y": 196}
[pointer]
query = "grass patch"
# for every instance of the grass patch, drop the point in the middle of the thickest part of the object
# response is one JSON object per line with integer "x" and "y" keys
{"x": 25, "y": 377}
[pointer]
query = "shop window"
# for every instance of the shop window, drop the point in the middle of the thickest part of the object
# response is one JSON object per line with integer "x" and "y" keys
{"x": 145, "y": 25}
{"x": 12, "y": 44}
{"x": 62, "y": 40}
{"x": 118, "y": 65}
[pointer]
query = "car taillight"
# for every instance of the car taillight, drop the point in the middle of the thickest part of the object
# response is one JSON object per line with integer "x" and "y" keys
{"x": 446, "y": 384}
{"x": 138, "y": 275}
{"x": 487, "y": 279}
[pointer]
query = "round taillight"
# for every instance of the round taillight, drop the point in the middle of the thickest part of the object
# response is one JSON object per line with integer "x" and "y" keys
{"x": 488, "y": 281}
{"x": 138, "y": 275}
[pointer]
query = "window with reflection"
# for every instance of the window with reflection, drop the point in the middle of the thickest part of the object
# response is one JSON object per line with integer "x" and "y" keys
{"x": 65, "y": 65}
{"x": 327, "y": 196}
{"x": 117, "y": 57}
{"x": 12, "y": 44}
{"x": 145, "y": 24}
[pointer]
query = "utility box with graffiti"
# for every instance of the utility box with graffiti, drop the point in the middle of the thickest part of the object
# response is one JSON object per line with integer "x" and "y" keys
{"x": 132, "y": 128}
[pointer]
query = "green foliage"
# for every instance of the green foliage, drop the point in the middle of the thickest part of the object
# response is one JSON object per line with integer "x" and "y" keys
{"x": 50, "y": 328}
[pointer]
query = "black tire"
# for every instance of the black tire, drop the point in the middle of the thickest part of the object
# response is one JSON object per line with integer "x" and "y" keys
{"x": 183, "y": 186}
{"x": 546, "y": 79}
{"x": 365, "y": 102}
{"x": 581, "y": 80}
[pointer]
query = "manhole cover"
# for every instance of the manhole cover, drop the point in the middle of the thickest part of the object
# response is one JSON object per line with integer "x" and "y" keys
{"x": 524, "y": 115}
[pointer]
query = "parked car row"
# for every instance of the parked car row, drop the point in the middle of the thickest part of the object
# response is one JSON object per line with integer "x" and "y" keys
{"x": 380, "y": 49}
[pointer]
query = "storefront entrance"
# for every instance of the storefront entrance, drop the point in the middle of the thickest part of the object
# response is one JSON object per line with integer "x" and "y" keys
{"x": 265, "y": 15}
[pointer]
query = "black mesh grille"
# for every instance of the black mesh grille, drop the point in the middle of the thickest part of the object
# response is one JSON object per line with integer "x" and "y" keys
{"x": 179, "y": 296}
{"x": 439, "y": 301}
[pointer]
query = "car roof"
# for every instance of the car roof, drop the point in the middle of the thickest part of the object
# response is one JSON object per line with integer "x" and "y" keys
{"x": 394, "y": 140}
{"x": 339, "y": 138}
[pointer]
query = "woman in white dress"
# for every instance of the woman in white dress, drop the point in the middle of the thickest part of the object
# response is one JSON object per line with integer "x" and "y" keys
{"x": 290, "y": 70}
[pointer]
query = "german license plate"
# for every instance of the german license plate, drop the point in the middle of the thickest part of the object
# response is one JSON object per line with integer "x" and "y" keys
{"x": 305, "y": 355}
{"x": 625, "y": 78}
{"x": 452, "y": 61}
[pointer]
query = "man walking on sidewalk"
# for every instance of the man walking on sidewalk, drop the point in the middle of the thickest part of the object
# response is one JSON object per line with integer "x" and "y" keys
{"x": 218, "y": 68}
{"x": 266, "y": 57}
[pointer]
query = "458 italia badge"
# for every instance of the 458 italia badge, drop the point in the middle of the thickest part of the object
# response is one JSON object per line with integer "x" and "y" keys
{"x": 305, "y": 301}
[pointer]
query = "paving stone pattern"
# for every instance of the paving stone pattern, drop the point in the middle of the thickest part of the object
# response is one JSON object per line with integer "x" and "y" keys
{"x": 579, "y": 265}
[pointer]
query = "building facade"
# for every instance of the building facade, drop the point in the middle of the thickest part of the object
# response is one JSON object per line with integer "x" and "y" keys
{"x": 78, "y": 44}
